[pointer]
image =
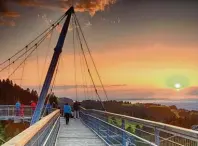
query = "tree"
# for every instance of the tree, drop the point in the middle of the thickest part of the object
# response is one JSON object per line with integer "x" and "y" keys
{"x": 10, "y": 93}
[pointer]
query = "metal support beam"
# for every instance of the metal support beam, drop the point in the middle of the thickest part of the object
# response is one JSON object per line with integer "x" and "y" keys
{"x": 57, "y": 51}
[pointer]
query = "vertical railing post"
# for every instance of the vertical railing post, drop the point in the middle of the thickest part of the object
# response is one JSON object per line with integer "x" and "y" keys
{"x": 108, "y": 133}
{"x": 13, "y": 112}
{"x": 123, "y": 133}
{"x": 8, "y": 111}
{"x": 157, "y": 137}
{"x": 98, "y": 127}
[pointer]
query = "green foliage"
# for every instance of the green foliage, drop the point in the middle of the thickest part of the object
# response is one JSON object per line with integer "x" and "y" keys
{"x": 53, "y": 100}
{"x": 2, "y": 134}
{"x": 129, "y": 126}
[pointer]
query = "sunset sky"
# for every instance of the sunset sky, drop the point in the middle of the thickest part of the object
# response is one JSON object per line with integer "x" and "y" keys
{"x": 142, "y": 48}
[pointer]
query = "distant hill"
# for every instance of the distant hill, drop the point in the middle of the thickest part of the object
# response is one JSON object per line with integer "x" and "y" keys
{"x": 63, "y": 100}
{"x": 149, "y": 111}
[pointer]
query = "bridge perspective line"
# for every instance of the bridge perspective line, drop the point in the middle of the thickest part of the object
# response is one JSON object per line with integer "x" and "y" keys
{"x": 99, "y": 128}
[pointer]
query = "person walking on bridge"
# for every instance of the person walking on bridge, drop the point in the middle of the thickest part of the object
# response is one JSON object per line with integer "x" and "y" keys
{"x": 33, "y": 106}
{"x": 17, "y": 106}
{"x": 67, "y": 112}
{"x": 76, "y": 107}
{"x": 22, "y": 110}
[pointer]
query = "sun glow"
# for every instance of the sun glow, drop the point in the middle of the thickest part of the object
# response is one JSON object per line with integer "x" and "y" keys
{"x": 177, "y": 85}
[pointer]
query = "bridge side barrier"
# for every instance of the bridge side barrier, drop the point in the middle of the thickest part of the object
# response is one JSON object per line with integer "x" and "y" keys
{"x": 8, "y": 112}
{"x": 159, "y": 133}
{"x": 37, "y": 134}
{"x": 111, "y": 134}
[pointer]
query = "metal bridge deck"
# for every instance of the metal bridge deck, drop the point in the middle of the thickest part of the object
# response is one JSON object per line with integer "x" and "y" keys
{"x": 76, "y": 134}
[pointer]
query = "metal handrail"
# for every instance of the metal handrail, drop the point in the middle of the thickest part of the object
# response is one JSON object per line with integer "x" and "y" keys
{"x": 9, "y": 111}
{"x": 36, "y": 133}
{"x": 187, "y": 133}
{"x": 121, "y": 130}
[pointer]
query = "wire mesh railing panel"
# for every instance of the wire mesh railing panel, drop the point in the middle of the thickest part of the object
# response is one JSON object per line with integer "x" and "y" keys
{"x": 112, "y": 134}
{"x": 155, "y": 132}
{"x": 44, "y": 132}
{"x": 10, "y": 111}
{"x": 47, "y": 135}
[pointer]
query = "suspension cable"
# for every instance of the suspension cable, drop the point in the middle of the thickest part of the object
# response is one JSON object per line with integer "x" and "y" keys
{"x": 37, "y": 61}
{"x": 27, "y": 50}
{"x": 91, "y": 56}
{"x": 83, "y": 72}
{"x": 22, "y": 72}
{"x": 82, "y": 75}
{"x": 46, "y": 30}
{"x": 88, "y": 66}
{"x": 74, "y": 59}
{"x": 36, "y": 46}
{"x": 46, "y": 56}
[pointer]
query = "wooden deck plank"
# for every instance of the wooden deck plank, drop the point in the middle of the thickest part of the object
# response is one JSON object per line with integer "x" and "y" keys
{"x": 76, "y": 134}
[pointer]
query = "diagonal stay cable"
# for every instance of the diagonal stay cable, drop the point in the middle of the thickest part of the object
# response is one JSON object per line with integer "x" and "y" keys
{"x": 36, "y": 46}
{"x": 88, "y": 66}
{"x": 23, "y": 54}
{"x": 46, "y": 56}
{"x": 22, "y": 72}
{"x": 54, "y": 24}
{"x": 91, "y": 56}
{"x": 75, "y": 70}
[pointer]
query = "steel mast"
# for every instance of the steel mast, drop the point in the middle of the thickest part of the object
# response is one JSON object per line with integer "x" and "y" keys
{"x": 57, "y": 51}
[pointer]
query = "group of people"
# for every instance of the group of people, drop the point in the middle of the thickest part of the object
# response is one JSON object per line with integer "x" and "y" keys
{"x": 68, "y": 111}
{"x": 20, "y": 108}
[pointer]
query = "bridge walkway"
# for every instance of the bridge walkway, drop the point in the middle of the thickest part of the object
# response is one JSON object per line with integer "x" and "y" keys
{"x": 76, "y": 134}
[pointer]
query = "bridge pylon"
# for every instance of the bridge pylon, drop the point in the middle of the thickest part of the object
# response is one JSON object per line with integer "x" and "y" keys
{"x": 57, "y": 51}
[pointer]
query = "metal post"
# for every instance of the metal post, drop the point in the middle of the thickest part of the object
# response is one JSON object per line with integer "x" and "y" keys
{"x": 8, "y": 111}
{"x": 52, "y": 67}
{"x": 157, "y": 138}
{"x": 123, "y": 133}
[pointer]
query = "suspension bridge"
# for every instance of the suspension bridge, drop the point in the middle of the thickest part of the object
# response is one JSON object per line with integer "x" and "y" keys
{"x": 93, "y": 127}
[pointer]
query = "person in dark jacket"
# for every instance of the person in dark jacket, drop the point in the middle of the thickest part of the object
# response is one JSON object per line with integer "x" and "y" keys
{"x": 76, "y": 107}
{"x": 67, "y": 112}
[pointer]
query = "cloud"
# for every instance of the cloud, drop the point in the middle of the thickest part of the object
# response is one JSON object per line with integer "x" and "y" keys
{"x": 6, "y": 22}
{"x": 192, "y": 91}
{"x": 91, "y": 6}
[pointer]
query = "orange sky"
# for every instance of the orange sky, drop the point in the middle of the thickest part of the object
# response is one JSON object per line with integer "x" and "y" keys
{"x": 141, "y": 50}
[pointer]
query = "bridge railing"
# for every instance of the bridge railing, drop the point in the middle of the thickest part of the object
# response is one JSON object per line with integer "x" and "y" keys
{"x": 111, "y": 134}
{"x": 43, "y": 132}
{"x": 10, "y": 111}
{"x": 155, "y": 132}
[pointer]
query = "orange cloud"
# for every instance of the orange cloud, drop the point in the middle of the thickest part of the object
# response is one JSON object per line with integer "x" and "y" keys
{"x": 91, "y": 6}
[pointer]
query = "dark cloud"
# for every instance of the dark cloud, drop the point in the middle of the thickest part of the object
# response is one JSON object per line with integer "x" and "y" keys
{"x": 91, "y": 6}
